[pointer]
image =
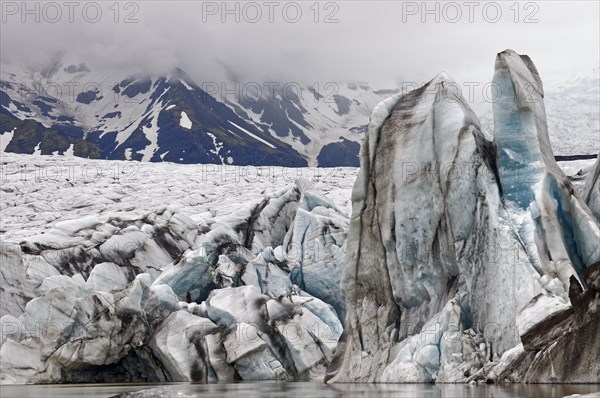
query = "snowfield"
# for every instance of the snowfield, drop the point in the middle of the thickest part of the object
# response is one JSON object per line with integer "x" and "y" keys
{"x": 38, "y": 191}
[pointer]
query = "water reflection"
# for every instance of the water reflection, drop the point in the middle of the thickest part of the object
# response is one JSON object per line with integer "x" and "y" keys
{"x": 299, "y": 390}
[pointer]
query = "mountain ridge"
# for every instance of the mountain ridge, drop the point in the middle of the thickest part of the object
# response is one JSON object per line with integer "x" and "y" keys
{"x": 67, "y": 107}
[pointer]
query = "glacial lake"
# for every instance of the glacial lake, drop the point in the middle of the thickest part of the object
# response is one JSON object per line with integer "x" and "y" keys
{"x": 302, "y": 390}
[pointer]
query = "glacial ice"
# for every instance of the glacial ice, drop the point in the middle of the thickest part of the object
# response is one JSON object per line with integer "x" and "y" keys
{"x": 180, "y": 343}
{"x": 418, "y": 216}
{"x": 15, "y": 292}
{"x": 106, "y": 277}
{"x": 564, "y": 232}
{"x": 267, "y": 276}
{"x": 465, "y": 260}
{"x": 591, "y": 190}
{"x": 315, "y": 245}
{"x": 190, "y": 278}
{"x": 443, "y": 217}
{"x": 164, "y": 298}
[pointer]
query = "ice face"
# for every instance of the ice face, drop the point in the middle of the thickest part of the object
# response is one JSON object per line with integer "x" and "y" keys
{"x": 214, "y": 305}
{"x": 441, "y": 216}
{"x": 520, "y": 129}
{"x": 560, "y": 227}
{"x": 180, "y": 343}
{"x": 315, "y": 246}
{"x": 420, "y": 209}
{"x": 591, "y": 190}
{"x": 15, "y": 292}
{"x": 190, "y": 277}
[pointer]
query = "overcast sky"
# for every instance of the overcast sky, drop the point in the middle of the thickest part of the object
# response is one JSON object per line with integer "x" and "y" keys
{"x": 376, "y": 41}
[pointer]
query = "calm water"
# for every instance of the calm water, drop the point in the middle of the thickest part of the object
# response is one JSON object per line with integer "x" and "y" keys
{"x": 303, "y": 390}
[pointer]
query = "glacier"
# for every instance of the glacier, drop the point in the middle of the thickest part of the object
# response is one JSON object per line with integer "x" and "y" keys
{"x": 459, "y": 248}
{"x": 455, "y": 257}
{"x": 161, "y": 297}
{"x": 591, "y": 190}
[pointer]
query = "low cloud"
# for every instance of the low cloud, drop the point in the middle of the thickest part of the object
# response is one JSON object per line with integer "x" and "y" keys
{"x": 376, "y": 41}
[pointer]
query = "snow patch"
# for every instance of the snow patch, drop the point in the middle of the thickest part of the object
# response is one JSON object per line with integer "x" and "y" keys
{"x": 70, "y": 152}
{"x": 151, "y": 134}
{"x": 186, "y": 85}
{"x": 133, "y": 120}
{"x": 185, "y": 121}
{"x": 218, "y": 146}
{"x": 6, "y": 138}
{"x": 251, "y": 135}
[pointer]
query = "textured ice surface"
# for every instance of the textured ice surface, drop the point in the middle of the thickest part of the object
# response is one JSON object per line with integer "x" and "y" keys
{"x": 591, "y": 190}
{"x": 559, "y": 225}
{"x": 38, "y": 192}
{"x": 448, "y": 275}
{"x": 190, "y": 278}
{"x": 180, "y": 344}
{"x": 14, "y": 289}
{"x": 161, "y": 296}
{"x": 419, "y": 209}
{"x": 315, "y": 247}
{"x": 441, "y": 216}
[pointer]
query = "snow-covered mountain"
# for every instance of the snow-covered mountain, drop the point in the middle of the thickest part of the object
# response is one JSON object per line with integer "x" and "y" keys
{"x": 65, "y": 107}
{"x": 68, "y": 107}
